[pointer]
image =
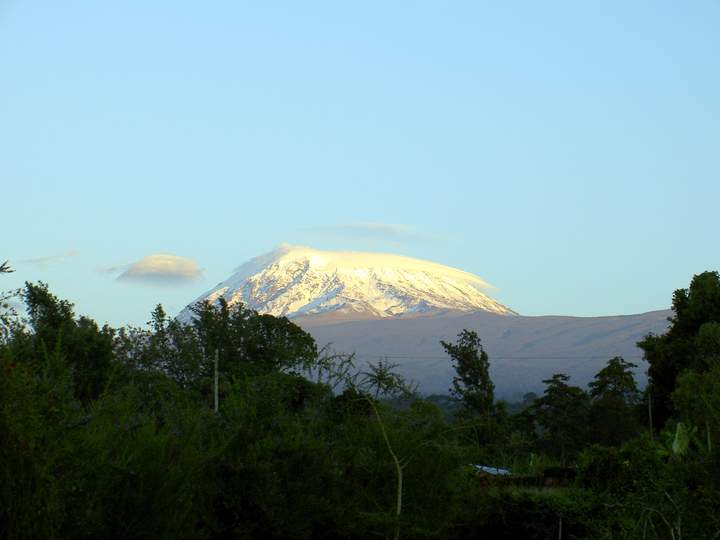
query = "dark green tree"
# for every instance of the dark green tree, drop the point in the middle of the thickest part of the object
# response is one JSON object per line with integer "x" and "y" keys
{"x": 616, "y": 380}
{"x": 561, "y": 413}
{"x": 85, "y": 347}
{"x": 614, "y": 398}
{"x": 381, "y": 380}
{"x": 277, "y": 344}
{"x": 697, "y": 403}
{"x": 250, "y": 342}
{"x": 472, "y": 384}
{"x": 692, "y": 340}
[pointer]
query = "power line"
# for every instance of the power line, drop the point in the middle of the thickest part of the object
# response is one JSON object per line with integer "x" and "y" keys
{"x": 538, "y": 357}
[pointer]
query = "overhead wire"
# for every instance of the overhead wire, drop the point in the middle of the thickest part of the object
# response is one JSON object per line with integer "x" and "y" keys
{"x": 493, "y": 357}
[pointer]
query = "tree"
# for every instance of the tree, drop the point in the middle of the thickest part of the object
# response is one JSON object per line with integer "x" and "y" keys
{"x": 247, "y": 340}
{"x": 561, "y": 413}
{"x": 382, "y": 381}
{"x": 9, "y": 318}
{"x": 7, "y": 312}
{"x": 697, "y": 401}
{"x": 616, "y": 379}
{"x": 614, "y": 397}
{"x": 472, "y": 384}
{"x": 691, "y": 342}
{"x": 708, "y": 345}
{"x": 86, "y": 348}
{"x": 277, "y": 344}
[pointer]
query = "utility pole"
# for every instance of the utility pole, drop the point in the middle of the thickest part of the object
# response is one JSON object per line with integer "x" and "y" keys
{"x": 709, "y": 440}
{"x": 216, "y": 380}
{"x": 649, "y": 393}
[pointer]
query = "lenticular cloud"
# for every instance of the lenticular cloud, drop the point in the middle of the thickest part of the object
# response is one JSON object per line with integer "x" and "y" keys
{"x": 162, "y": 269}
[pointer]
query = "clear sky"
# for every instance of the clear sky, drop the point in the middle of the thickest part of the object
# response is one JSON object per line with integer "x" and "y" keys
{"x": 566, "y": 152}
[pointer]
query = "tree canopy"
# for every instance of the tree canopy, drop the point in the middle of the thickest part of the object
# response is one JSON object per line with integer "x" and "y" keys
{"x": 471, "y": 384}
{"x": 112, "y": 433}
{"x": 691, "y": 342}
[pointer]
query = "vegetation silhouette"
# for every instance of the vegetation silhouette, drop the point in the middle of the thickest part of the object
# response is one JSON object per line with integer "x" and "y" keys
{"x": 111, "y": 433}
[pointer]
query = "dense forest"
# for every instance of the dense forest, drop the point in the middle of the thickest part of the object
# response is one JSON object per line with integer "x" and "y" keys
{"x": 238, "y": 426}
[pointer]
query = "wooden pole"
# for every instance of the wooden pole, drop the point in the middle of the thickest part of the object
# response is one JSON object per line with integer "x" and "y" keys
{"x": 398, "y": 470}
{"x": 709, "y": 440}
{"x": 216, "y": 381}
{"x": 649, "y": 391}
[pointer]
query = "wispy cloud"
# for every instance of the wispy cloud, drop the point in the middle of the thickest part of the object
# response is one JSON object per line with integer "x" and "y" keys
{"x": 158, "y": 269}
{"x": 48, "y": 260}
{"x": 393, "y": 232}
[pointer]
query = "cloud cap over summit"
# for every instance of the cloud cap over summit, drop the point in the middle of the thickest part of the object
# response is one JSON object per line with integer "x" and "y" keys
{"x": 294, "y": 280}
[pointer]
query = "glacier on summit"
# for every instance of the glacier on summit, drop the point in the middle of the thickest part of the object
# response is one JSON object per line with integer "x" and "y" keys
{"x": 294, "y": 281}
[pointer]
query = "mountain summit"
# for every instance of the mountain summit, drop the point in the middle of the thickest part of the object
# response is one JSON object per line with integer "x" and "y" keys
{"x": 295, "y": 281}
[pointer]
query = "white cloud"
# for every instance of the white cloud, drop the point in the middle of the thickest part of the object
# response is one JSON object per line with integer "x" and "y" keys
{"x": 50, "y": 259}
{"x": 393, "y": 232}
{"x": 159, "y": 269}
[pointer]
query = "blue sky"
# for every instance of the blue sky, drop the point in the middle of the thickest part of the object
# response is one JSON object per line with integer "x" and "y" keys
{"x": 566, "y": 152}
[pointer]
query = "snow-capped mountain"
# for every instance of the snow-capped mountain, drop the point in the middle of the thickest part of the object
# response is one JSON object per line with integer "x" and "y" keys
{"x": 295, "y": 281}
{"x": 364, "y": 303}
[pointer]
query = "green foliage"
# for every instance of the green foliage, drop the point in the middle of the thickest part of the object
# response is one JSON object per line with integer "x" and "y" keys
{"x": 110, "y": 434}
{"x": 650, "y": 491}
{"x": 330, "y": 368}
{"x": 561, "y": 413}
{"x": 129, "y": 465}
{"x": 270, "y": 458}
{"x": 249, "y": 342}
{"x": 382, "y": 381}
{"x": 9, "y": 319}
{"x": 525, "y": 513}
{"x": 493, "y": 437}
{"x": 696, "y": 400}
{"x": 615, "y": 380}
{"x": 614, "y": 415}
{"x": 472, "y": 384}
{"x": 79, "y": 342}
{"x": 692, "y": 342}
{"x": 144, "y": 458}
{"x": 37, "y": 409}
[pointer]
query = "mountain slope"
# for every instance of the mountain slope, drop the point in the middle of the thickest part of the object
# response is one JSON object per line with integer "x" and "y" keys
{"x": 294, "y": 281}
{"x": 523, "y": 350}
